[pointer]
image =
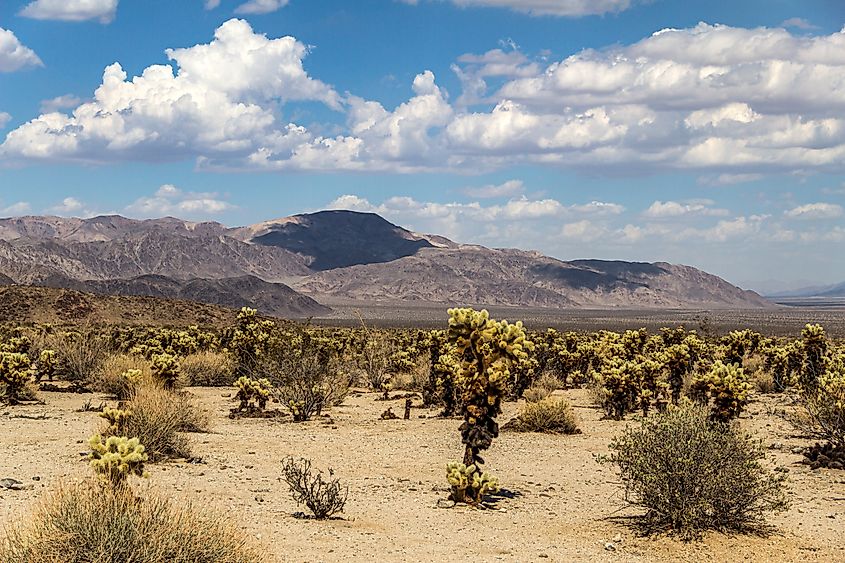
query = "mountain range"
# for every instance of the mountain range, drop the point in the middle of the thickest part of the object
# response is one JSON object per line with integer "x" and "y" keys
{"x": 286, "y": 267}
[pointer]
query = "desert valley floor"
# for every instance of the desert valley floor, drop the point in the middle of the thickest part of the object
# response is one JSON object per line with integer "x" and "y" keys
{"x": 559, "y": 504}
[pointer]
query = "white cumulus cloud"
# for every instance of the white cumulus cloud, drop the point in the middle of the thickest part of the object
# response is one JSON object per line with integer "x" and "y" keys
{"x": 260, "y": 6}
{"x": 665, "y": 209}
{"x": 564, "y": 8}
{"x": 170, "y": 200}
{"x": 14, "y": 55}
{"x": 71, "y": 10}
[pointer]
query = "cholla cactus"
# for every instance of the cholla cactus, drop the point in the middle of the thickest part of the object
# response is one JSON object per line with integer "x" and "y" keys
{"x": 15, "y": 371}
{"x": 469, "y": 485}
{"x": 165, "y": 368}
{"x": 250, "y": 340}
{"x": 116, "y": 418}
{"x": 252, "y": 393}
{"x": 114, "y": 459}
{"x": 487, "y": 350}
{"x": 815, "y": 356}
{"x": 726, "y": 386}
{"x": 46, "y": 365}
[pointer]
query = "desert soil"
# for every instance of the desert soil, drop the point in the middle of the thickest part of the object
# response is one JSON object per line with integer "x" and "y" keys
{"x": 561, "y": 504}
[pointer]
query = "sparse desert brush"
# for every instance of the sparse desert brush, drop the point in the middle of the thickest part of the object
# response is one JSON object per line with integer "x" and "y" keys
{"x": 122, "y": 374}
{"x": 692, "y": 474}
{"x": 764, "y": 382}
{"x": 86, "y": 522}
{"x": 324, "y": 498}
{"x": 553, "y": 415}
{"x": 208, "y": 369}
{"x": 158, "y": 418}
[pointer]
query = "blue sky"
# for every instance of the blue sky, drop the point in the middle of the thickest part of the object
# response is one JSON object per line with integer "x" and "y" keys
{"x": 696, "y": 132}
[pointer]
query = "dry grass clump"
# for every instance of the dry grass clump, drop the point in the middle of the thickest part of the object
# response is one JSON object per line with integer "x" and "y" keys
{"x": 80, "y": 356}
{"x": 208, "y": 369}
{"x": 158, "y": 418}
{"x": 692, "y": 474}
{"x": 551, "y": 415}
{"x": 542, "y": 388}
{"x": 85, "y": 522}
{"x": 324, "y": 498}
{"x": 113, "y": 380}
{"x": 764, "y": 382}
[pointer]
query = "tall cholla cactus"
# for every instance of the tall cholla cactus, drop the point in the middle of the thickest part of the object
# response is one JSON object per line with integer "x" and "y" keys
{"x": 165, "y": 369}
{"x": 15, "y": 371}
{"x": 116, "y": 458}
{"x": 727, "y": 386}
{"x": 250, "y": 340}
{"x": 487, "y": 350}
{"x": 815, "y": 356}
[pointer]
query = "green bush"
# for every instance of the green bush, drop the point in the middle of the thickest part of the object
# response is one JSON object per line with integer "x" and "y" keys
{"x": 692, "y": 474}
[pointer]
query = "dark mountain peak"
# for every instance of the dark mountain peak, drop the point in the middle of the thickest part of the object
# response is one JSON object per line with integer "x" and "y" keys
{"x": 337, "y": 239}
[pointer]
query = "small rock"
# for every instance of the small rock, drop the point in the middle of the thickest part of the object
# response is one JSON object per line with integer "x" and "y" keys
{"x": 445, "y": 503}
{"x": 797, "y": 450}
{"x": 617, "y": 538}
{"x": 609, "y": 546}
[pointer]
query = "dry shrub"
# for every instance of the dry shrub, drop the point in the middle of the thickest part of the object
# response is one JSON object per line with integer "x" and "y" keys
{"x": 764, "y": 382}
{"x": 208, "y": 369}
{"x": 111, "y": 379}
{"x": 80, "y": 356}
{"x": 551, "y": 415}
{"x": 158, "y": 418}
{"x": 542, "y": 388}
{"x": 692, "y": 474}
{"x": 323, "y": 498}
{"x": 86, "y": 522}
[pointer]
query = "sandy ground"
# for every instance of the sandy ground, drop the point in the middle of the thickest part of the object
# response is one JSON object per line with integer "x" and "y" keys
{"x": 563, "y": 505}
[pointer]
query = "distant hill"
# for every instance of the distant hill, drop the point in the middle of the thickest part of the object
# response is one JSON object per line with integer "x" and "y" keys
{"x": 836, "y": 290}
{"x": 21, "y": 304}
{"x": 286, "y": 266}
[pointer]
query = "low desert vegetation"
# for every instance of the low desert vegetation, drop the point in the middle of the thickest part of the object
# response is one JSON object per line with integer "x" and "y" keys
{"x": 682, "y": 398}
{"x": 691, "y": 473}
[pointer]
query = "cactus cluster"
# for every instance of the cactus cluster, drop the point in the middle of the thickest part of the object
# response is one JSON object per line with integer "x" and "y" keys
{"x": 253, "y": 394}
{"x": 15, "y": 374}
{"x": 46, "y": 365}
{"x": 469, "y": 484}
{"x": 165, "y": 369}
{"x": 725, "y": 387}
{"x": 117, "y": 457}
{"x": 116, "y": 418}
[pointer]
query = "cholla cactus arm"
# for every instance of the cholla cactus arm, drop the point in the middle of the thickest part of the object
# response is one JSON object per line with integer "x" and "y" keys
{"x": 47, "y": 365}
{"x": 116, "y": 419}
{"x": 469, "y": 484}
{"x": 114, "y": 459}
{"x": 726, "y": 386}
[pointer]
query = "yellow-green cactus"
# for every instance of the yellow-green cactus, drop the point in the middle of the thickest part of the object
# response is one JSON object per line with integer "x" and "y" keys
{"x": 726, "y": 386}
{"x": 165, "y": 369}
{"x": 116, "y": 418}
{"x": 252, "y": 393}
{"x": 486, "y": 350}
{"x": 46, "y": 365}
{"x": 469, "y": 484}
{"x": 117, "y": 457}
{"x": 15, "y": 372}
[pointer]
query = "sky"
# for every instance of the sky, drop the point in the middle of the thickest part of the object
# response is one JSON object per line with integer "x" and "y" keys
{"x": 689, "y": 131}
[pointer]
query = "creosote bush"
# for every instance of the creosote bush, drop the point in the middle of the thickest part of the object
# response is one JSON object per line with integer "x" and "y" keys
{"x": 324, "y": 498}
{"x": 692, "y": 474}
{"x": 552, "y": 415}
{"x": 80, "y": 356}
{"x": 87, "y": 522}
